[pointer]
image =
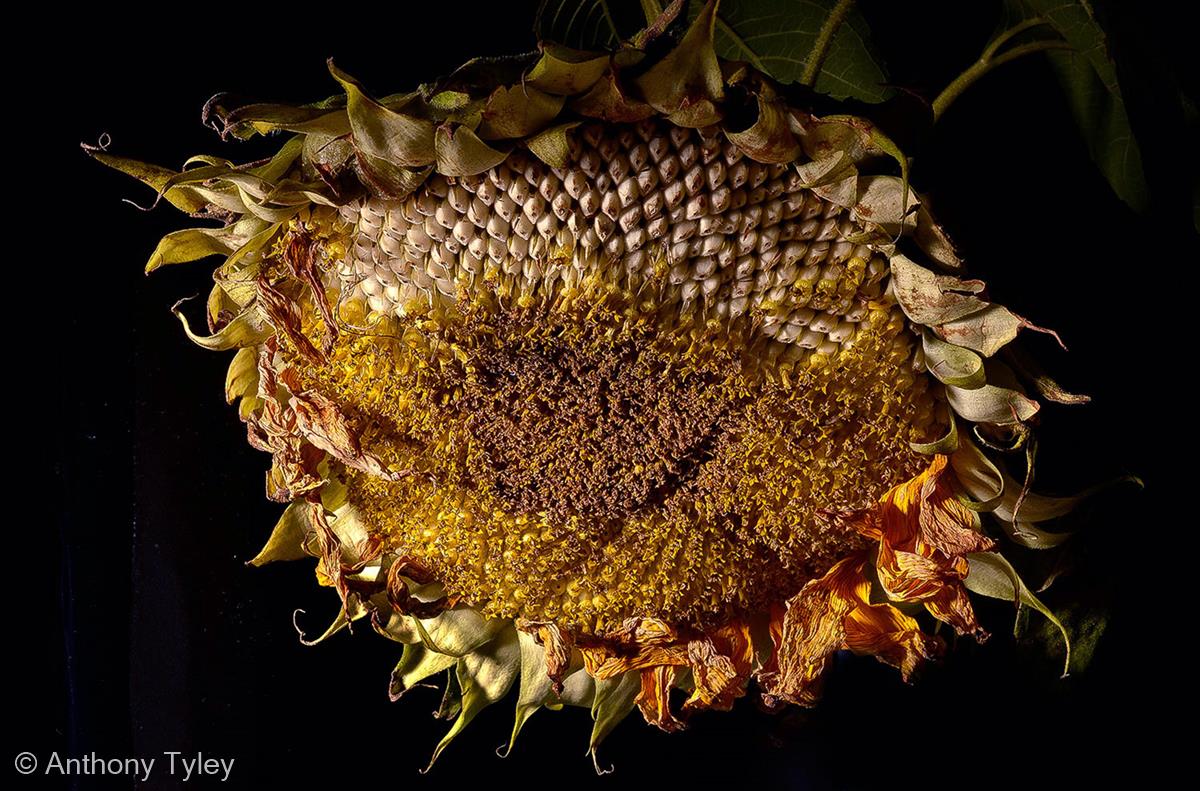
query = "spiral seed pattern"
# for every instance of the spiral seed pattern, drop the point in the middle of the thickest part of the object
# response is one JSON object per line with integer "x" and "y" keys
{"x": 724, "y": 234}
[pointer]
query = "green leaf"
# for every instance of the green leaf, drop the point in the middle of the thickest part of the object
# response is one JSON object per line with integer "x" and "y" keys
{"x": 328, "y": 155}
{"x": 1089, "y": 77}
{"x": 277, "y": 168}
{"x": 1100, "y": 113}
{"x": 608, "y": 101}
{"x": 387, "y": 179}
{"x": 588, "y": 24}
{"x": 776, "y": 38}
{"x": 1085, "y": 621}
{"x": 992, "y": 575}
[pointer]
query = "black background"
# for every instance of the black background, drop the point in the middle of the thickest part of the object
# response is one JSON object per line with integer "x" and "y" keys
{"x": 140, "y": 630}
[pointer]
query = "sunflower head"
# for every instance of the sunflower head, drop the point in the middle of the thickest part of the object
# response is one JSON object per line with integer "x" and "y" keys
{"x": 627, "y": 381}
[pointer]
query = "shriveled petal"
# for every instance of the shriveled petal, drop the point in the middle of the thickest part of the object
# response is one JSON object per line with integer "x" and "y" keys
{"x": 557, "y": 646}
{"x": 835, "y": 612}
{"x": 654, "y": 701}
{"x": 284, "y": 314}
{"x": 716, "y": 677}
{"x": 924, "y": 534}
{"x": 952, "y": 605}
{"x": 924, "y": 514}
{"x": 907, "y": 576}
{"x": 936, "y": 581}
{"x": 891, "y": 637}
{"x": 813, "y": 629}
{"x": 721, "y": 661}
{"x": 638, "y": 644}
{"x": 323, "y": 423}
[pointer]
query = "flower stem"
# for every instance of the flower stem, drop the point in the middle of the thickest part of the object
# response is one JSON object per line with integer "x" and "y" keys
{"x": 812, "y": 66}
{"x": 651, "y": 10}
{"x": 988, "y": 61}
{"x": 1008, "y": 35}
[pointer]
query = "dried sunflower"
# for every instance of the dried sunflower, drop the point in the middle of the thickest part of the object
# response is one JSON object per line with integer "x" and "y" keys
{"x": 611, "y": 376}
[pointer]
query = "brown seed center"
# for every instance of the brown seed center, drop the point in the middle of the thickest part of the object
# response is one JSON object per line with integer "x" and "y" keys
{"x": 596, "y": 431}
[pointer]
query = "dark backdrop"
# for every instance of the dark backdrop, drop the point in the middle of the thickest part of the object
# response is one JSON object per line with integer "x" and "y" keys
{"x": 141, "y": 630}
